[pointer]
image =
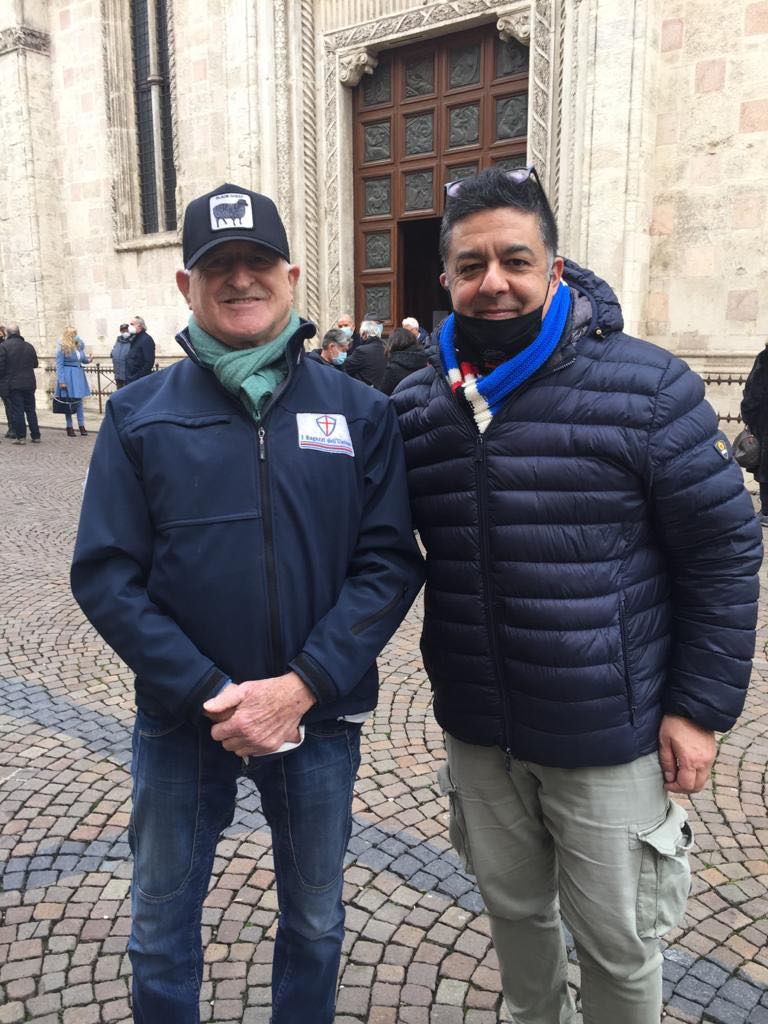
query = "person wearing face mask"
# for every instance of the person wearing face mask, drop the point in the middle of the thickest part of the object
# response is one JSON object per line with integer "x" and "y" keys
{"x": 590, "y": 606}
{"x": 333, "y": 351}
{"x": 141, "y": 358}
{"x": 119, "y": 355}
{"x": 346, "y": 324}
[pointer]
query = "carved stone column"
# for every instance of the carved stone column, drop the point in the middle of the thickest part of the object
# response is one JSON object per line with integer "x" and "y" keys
{"x": 32, "y": 257}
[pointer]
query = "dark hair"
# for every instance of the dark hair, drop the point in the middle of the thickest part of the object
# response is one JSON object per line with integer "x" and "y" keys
{"x": 491, "y": 189}
{"x": 399, "y": 340}
{"x": 334, "y": 337}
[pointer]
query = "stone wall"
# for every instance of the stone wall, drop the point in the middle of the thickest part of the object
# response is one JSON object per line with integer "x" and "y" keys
{"x": 648, "y": 120}
{"x": 707, "y": 297}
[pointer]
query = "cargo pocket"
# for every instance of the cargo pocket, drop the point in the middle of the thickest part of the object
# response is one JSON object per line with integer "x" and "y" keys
{"x": 665, "y": 874}
{"x": 457, "y": 828}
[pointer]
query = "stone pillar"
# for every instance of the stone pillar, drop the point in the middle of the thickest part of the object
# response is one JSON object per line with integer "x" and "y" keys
{"x": 612, "y": 124}
{"x": 33, "y": 254}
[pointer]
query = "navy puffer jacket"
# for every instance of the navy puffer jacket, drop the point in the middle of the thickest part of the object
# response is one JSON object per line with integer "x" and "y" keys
{"x": 592, "y": 557}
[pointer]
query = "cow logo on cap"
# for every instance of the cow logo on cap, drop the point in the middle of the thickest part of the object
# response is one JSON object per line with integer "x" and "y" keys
{"x": 230, "y": 210}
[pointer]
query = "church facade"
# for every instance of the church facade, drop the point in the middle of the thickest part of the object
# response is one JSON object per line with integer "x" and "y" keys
{"x": 646, "y": 121}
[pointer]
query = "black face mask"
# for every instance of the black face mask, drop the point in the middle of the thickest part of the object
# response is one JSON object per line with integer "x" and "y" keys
{"x": 491, "y": 342}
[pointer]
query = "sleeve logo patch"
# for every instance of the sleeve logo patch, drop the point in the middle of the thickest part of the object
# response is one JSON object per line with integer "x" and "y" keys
{"x": 722, "y": 449}
{"x": 324, "y": 432}
{"x": 230, "y": 210}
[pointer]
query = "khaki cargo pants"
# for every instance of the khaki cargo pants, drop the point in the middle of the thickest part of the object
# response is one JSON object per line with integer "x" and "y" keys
{"x": 605, "y": 847}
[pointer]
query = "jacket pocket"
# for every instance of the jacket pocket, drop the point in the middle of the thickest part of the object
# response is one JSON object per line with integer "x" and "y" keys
{"x": 626, "y": 660}
{"x": 665, "y": 874}
{"x": 457, "y": 827}
{"x": 371, "y": 620}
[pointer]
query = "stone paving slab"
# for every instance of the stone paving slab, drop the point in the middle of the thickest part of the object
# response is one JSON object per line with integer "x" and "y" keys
{"x": 417, "y": 949}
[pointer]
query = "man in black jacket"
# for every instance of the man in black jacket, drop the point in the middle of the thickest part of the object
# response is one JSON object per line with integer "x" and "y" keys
{"x": 141, "y": 358}
{"x": 590, "y": 608}
{"x": 18, "y": 362}
{"x": 368, "y": 362}
{"x": 254, "y": 650}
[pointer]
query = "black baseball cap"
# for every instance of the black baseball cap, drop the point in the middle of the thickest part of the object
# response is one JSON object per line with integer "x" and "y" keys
{"x": 231, "y": 213}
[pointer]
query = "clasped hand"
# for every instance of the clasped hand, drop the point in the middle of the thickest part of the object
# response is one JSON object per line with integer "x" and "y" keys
{"x": 257, "y": 716}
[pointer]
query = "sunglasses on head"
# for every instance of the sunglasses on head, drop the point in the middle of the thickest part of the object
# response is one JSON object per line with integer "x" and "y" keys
{"x": 519, "y": 175}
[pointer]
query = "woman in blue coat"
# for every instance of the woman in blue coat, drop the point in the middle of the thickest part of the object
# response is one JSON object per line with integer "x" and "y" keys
{"x": 71, "y": 382}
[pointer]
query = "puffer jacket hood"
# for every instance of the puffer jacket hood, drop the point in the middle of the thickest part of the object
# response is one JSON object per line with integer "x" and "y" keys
{"x": 591, "y": 558}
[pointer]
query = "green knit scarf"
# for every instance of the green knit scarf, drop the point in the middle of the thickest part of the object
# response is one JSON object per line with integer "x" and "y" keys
{"x": 252, "y": 374}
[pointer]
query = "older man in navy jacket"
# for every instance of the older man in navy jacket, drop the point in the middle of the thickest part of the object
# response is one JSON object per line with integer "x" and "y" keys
{"x": 254, "y": 648}
{"x": 590, "y": 607}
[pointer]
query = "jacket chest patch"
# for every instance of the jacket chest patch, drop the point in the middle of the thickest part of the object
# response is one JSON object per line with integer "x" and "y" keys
{"x": 325, "y": 432}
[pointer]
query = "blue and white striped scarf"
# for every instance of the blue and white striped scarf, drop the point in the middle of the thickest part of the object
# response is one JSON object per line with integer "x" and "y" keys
{"x": 486, "y": 394}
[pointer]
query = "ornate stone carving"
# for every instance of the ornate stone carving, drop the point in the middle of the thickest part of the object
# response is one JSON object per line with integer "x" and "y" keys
{"x": 311, "y": 183}
{"x": 20, "y": 37}
{"x": 515, "y": 26}
{"x": 352, "y": 67}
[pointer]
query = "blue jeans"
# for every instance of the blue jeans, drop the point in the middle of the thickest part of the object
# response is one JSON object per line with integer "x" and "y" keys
{"x": 184, "y": 789}
{"x": 79, "y": 411}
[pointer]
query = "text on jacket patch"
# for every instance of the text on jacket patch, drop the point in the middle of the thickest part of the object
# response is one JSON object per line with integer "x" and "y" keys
{"x": 324, "y": 432}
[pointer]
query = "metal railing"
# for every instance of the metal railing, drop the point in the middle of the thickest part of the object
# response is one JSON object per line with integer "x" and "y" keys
{"x": 101, "y": 380}
{"x": 733, "y": 398}
{"x": 99, "y": 374}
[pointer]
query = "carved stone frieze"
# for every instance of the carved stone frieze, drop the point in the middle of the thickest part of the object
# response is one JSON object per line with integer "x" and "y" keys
{"x": 352, "y": 67}
{"x": 20, "y": 37}
{"x": 515, "y": 26}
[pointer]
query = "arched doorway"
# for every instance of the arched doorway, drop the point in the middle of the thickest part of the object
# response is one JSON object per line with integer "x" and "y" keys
{"x": 430, "y": 113}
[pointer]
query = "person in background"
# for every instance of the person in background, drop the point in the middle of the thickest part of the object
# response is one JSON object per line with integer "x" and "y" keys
{"x": 347, "y": 324}
{"x": 333, "y": 351}
{"x": 368, "y": 362}
{"x": 754, "y": 413}
{"x": 119, "y": 355}
{"x": 71, "y": 382}
{"x": 404, "y": 356}
{"x": 410, "y": 323}
{"x": 18, "y": 362}
{"x": 4, "y": 393}
{"x": 141, "y": 358}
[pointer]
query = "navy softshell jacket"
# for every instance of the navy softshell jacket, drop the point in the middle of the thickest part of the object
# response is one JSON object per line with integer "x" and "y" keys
{"x": 211, "y": 546}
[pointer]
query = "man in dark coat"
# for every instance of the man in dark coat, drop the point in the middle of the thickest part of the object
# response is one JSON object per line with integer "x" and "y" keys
{"x": 141, "y": 359}
{"x": 18, "y": 362}
{"x": 590, "y": 607}
{"x": 333, "y": 351}
{"x": 754, "y": 413}
{"x": 368, "y": 362}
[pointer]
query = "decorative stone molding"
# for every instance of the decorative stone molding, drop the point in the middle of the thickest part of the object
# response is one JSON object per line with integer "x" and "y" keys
{"x": 515, "y": 26}
{"x": 352, "y": 67}
{"x": 20, "y": 37}
{"x": 345, "y": 53}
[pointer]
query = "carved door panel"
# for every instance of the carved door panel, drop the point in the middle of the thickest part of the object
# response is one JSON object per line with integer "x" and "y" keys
{"x": 430, "y": 113}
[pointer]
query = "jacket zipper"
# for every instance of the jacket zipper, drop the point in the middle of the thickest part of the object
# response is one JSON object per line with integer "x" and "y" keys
{"x": 625, "y": 657}
{"x": 481, "y": 477}
{"x": 275, "y": 631}
{"x": 485, "y": 555}
{"x": 377, "y": 616}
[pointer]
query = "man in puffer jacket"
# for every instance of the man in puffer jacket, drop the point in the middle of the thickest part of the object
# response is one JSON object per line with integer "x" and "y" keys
{"x": 590, "y": 606}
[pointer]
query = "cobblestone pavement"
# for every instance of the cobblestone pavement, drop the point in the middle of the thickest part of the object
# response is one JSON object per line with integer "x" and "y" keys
{"x": 417, "y": 949}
